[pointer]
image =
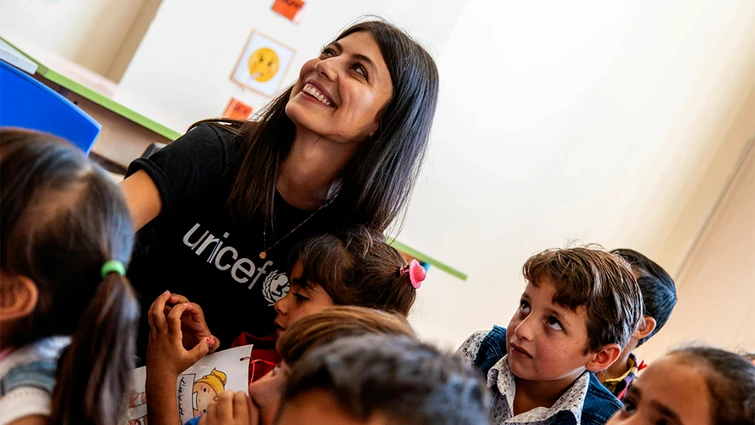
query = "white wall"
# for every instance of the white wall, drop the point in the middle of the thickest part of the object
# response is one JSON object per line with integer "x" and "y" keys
{"x": 180, "y": 72}
{"x": 133, "y": 39}
{"x": 718, "y": 277}
{"x": 610, "y": 122}
{"x": 87, "y": 32}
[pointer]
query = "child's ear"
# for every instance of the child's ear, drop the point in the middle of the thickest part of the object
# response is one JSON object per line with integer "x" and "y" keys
{"x": 604, "y": 358}
{"x": 18, "y": 297}
{"x": 647, "y": 326}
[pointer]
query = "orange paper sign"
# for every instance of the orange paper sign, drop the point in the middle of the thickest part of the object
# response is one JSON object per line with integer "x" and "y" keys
{"x": 237, "y": 110}
{"x": 289, "y": 8}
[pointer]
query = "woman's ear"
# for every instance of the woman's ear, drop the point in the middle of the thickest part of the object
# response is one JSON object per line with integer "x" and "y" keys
{"x": 374, "y": 131}
{"x": 18, "y": 297}
{"x": 604, "y": 358}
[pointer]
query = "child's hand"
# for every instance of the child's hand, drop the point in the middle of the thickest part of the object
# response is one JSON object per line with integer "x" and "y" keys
{"x": 231, "y": 409}
{"x": 193, "y": 324}
{"x": 166, "y": 355}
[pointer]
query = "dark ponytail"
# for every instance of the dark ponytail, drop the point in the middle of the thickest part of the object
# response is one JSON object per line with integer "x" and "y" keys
{"x": 62, "y": 220}
{"x": 93, "y": 372}
{"x": 357, "y": 268}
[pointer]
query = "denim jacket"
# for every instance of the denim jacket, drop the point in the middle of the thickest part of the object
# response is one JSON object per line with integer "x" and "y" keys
{"x": 599, "y": 405}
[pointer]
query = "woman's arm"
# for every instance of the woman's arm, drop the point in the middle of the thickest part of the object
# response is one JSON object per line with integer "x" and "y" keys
{"x": 142, "y": 197}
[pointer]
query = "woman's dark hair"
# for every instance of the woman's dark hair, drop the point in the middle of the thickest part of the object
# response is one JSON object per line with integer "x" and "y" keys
{"x": 358, "y": 268}
{"x": 731, "y": 383}
{"x": 376, "y": 184}
{"x": 62, "y": 219}
{"x": 657, "y": 286}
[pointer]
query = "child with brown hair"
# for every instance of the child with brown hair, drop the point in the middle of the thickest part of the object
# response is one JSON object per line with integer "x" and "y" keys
{"x": 66, "y": 237}
{"x": 354, "y": 268}
{"x": 382, "y": 379}
{"x": 579, "y": 308}
{"x": 315, "y": 330}
{"x": 357, "y": 268}
{"x": 692, "y": 385}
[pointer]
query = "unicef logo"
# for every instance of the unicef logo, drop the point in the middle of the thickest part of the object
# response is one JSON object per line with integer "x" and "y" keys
{"x": 275, "y": 286}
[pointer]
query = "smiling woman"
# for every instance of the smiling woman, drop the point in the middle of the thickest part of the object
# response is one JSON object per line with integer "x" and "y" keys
{"x": 225, "y": 204}
{"x": 341, "y": 109}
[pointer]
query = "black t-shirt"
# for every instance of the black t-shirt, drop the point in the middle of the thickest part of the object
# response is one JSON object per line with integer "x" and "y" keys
{"x": 195, "y": 249}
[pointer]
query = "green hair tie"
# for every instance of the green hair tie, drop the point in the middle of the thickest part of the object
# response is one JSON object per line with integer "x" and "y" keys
{"x": 112, "y": 266}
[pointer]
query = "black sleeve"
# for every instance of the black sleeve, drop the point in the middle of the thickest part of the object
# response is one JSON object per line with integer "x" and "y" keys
{"x": 190, "y": 168}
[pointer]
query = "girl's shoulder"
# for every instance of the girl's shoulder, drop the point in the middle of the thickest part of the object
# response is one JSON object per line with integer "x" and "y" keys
{"x": 27, "y": 379}
{"x": 42, "y": 350}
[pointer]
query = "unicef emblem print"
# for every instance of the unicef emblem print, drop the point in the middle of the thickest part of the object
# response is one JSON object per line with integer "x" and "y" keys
{"x": 228, "y": 259}
{"x": 275, "y": 286}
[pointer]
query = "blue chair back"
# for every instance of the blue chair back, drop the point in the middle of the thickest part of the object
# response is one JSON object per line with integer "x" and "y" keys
{"x": 27, "y": 103}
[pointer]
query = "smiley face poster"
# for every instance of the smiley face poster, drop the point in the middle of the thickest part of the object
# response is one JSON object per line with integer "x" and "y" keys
{"x": 262, "y": 65}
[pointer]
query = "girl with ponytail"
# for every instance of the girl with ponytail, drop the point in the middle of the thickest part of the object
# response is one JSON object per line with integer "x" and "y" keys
{"x": 68, "y": 315}
{"x": 356, "y": 268}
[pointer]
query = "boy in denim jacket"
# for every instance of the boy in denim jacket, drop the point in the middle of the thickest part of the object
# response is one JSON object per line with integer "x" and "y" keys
{"x": 579, "y": 308}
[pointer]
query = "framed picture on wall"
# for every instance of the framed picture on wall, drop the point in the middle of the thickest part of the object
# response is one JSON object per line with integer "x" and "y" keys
{"x": 263, "y": 64}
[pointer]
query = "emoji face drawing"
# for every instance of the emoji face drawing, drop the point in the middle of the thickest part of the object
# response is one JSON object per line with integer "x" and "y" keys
{"x": 263, "y": 64}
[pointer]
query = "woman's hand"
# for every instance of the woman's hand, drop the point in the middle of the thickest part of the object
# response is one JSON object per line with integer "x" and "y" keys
{"x": 166, "y": 354}
{"x": 193, "y": 324}
{"x": 231, "y": 409}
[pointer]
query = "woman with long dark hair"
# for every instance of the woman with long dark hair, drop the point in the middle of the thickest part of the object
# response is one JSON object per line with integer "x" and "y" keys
{"x": 221, "y": 207}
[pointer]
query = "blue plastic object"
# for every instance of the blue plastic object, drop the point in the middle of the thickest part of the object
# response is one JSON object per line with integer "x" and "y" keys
{"x": 27, "y": 103}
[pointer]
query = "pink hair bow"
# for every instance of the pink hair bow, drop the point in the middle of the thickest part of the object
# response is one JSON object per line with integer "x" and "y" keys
{"x": 416, "y": 272}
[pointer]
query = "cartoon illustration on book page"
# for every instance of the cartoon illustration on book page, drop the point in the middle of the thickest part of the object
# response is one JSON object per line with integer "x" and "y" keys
{"x": 197, "y": 386}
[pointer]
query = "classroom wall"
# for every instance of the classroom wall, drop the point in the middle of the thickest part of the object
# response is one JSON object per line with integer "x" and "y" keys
{"x": 718, "y": 277}
{"x": 89, "y": 33}
{"x": 608, "y": 122}
{"x": 180, "y": 72}
{"x": 133, "y": 39}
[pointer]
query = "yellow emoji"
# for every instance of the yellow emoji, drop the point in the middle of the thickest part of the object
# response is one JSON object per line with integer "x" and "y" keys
{"x": 263, "y": 64}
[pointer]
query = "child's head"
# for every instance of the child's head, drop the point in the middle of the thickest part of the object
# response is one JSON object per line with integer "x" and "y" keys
{"x": 658, "y": 294}
{"x": 62, "y": 220}
{"x": 579, "y": 308}
{"x": 354, "y": 268}
{"x": 314, "y": 331}
{"x": 379, "y": 379}
{"x": 691, "y": 386}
